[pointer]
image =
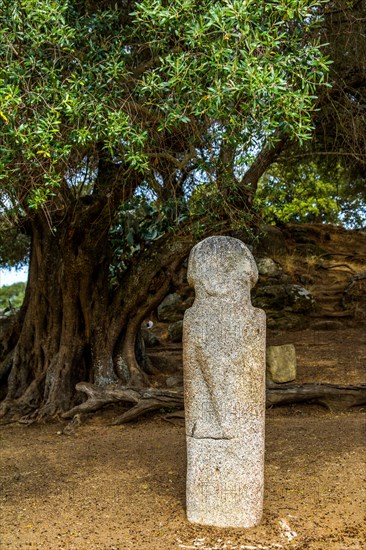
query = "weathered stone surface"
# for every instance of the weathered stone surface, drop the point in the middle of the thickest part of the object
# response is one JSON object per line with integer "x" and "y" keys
{"x": 224, "y": 384}
{"x": 173, "y": 306}
{"x": 286, "y": 320}
{"x": 174, "y": 381}
{"x": 281, "y": 363}
{"x": 268, "y": 267}
{"x": 273, "y": 297}
{"x": 294, "y": 298}
{"x": 166, "y": 361}
{"x": 175, "y": 331}
{"x": 299, "y": 299}
{"x": 149, "y": 338}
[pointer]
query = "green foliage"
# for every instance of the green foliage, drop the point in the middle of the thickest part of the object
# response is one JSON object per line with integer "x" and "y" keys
{"x": 241, "y": 62}
{"x": 11, "y": 297}
{"x": 352, "y": 201}
{"x": 14, "y": 245}
{"x": 76, "y": 76}
{"x": 141, "y": 221}
{"x": 145, "y": 219}
{"x": 312, "y": 192}
{"x": 213, "y": 209}
{"x": 58, "y": 93}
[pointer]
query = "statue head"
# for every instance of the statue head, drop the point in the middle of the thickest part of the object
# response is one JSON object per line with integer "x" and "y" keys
{"x": 220, "y": 266}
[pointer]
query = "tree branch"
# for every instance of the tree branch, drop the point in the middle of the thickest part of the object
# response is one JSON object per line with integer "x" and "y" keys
{"x": 249, "y": 182}
{"x": 179, "y": 164}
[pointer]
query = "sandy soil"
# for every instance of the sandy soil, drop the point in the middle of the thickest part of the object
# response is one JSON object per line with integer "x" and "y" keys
{"x": 109, "y": 487}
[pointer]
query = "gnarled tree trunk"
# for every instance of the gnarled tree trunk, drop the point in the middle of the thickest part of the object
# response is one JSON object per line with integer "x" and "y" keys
{"x": 75, "y": 328}
{"x": 52, "y": 353}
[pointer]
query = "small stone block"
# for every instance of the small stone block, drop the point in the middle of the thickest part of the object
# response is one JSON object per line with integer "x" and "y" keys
{"x": 281, "y": 363}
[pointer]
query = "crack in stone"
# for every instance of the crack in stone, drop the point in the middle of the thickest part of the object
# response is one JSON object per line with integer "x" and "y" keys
{"x": 212, "y": 438}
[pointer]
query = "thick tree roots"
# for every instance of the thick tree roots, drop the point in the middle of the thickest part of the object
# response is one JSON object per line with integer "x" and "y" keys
{"x": 333, "y": 397}
{"x": 144, "y": 400}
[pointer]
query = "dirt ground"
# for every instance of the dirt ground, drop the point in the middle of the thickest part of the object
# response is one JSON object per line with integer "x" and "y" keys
{"x": 109, "y": 487}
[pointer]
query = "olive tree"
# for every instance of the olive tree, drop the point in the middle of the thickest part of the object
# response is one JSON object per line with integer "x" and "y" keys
{"x": 103, "y": 101}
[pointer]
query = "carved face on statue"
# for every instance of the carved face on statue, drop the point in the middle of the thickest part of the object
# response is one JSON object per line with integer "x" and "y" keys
{"x": 222, "y": 265}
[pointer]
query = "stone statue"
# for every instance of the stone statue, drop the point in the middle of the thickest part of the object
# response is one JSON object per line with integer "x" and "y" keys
{"x": 224, "y": 385}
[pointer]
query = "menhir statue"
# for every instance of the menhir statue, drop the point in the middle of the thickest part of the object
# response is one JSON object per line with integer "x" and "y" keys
{"x": 224, "y": 380}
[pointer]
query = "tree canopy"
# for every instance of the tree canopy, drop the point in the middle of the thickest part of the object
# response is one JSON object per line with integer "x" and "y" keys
{"x": 320, "y": 190}
{"x": 11, "y": 297}
{"x": 334, "y": 161}
{"x": 155, "y": 88}
{"x": 120, "y": 122}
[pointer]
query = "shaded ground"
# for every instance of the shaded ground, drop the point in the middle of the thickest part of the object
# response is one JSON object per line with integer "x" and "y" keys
{"x": 123, "y": 487}
{"x": 323, "y": 356}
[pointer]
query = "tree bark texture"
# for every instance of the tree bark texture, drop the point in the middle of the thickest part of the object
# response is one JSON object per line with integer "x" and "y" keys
{"x": 74, "y": 327}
